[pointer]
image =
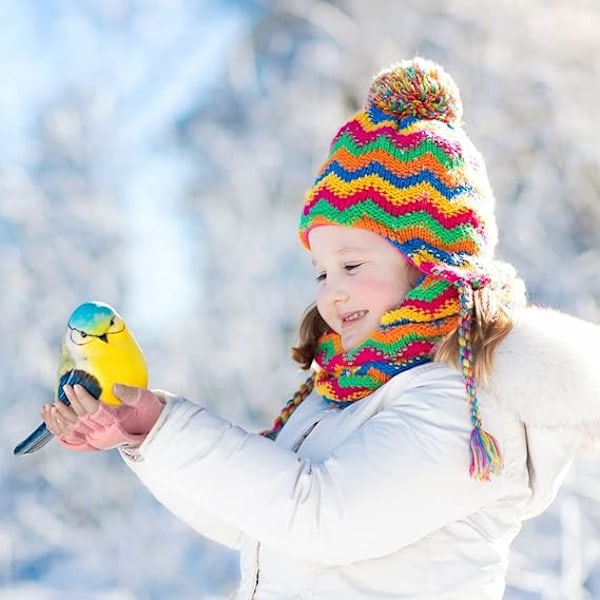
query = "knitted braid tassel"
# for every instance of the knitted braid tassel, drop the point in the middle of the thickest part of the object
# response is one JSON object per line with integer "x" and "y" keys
{"x": 485, "y": 455}
{"x": 299, "y": 396}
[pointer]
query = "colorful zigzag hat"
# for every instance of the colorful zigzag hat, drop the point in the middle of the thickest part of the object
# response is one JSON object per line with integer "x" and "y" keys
{"x": 404, "y": 168}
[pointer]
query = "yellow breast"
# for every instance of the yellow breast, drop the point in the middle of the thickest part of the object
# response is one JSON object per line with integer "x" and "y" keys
{"x": 118, "y": 360}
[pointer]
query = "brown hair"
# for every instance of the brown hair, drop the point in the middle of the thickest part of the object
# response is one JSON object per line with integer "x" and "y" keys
{"x": 492, "y": 321}
{"x": 312, "y": 327}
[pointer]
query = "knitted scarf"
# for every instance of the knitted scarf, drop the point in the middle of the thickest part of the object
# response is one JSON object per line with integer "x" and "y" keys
{"x": 406, "y": 337}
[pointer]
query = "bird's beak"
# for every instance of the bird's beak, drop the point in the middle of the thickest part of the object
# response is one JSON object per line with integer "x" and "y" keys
{"x": 104, "y": 338}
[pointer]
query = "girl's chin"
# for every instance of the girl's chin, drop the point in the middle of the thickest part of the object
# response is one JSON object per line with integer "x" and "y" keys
{"x": 351, "y": 342}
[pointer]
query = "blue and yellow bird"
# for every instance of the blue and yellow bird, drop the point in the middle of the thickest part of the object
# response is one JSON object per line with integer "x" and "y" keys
{"x": 98, "y": 350}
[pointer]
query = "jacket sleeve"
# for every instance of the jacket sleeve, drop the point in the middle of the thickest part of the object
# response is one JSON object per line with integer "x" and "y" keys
{"x": 186, "y": 510}
{"x": 400, "y": 476}
{"x": 183, "y": 505}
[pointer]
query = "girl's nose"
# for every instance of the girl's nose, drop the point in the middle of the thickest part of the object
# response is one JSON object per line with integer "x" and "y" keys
{"x": 335, "y": 291}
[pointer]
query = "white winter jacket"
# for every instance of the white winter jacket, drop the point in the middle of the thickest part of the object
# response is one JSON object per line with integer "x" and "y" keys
{"x": 375, "y": 501}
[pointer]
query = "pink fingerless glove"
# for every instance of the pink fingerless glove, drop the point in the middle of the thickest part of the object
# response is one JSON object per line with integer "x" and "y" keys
{"x": 112, "y": 426}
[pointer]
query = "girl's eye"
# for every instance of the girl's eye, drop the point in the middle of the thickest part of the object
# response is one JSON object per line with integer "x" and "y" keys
{"x": 352, "y": 266}
{"x": 320, "y": 277}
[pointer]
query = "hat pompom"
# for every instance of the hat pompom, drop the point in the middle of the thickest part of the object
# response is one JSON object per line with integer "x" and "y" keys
{"x": 417, "y": 88}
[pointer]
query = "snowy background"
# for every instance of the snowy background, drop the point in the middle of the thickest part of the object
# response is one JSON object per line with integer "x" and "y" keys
{"x": 154, "y": 155}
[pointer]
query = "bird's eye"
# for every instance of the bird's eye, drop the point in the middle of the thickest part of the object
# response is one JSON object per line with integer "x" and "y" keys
{"x": 80, "y": 337}
{"x": 116, "y": 325}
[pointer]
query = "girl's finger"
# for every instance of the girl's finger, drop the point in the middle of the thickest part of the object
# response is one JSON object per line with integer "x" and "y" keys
{"x": 48, "y": 420}
{"x": 74, "y": 401}
{"x": 65, "y": 412}
{"x": 81, "y": 402}
{"x": 86, "y": 400}
{"x": 60, "y": 427}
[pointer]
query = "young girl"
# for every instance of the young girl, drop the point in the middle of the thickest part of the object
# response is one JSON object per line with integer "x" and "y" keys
{"x": 440, "y": 413}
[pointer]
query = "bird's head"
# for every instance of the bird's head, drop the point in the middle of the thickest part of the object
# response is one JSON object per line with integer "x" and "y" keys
{"x": 94, "y": 321}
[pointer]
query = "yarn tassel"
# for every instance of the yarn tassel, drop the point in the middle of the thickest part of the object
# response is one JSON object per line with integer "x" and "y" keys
{"x": 292, "y": 404}
{"x": 486, "y": 458}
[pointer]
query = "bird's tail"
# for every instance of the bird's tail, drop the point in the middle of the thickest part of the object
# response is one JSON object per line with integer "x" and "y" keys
{"x": 34, "y": 442}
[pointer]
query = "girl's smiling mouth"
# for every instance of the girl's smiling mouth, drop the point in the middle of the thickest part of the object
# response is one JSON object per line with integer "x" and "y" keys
{"x": 349, "y": 318}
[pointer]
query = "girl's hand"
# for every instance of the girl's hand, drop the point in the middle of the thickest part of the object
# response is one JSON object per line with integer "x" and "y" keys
{"x": 91, "y": 425}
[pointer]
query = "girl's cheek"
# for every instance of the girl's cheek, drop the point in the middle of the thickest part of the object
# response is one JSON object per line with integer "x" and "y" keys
{"x": 321, "y": 306}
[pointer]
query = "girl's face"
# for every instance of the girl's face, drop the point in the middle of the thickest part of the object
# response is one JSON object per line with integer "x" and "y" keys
{"x": 360, "y": 276}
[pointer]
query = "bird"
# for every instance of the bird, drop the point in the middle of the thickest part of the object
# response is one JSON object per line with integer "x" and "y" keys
{"x": 97, "y": 350}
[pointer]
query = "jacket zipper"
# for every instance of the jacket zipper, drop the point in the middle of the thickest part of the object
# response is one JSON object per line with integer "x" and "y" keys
{"x": 253, "y": 592}
{"x": 301, "y": 439}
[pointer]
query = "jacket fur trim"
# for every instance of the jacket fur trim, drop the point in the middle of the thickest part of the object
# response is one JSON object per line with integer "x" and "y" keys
{"x": 548, "y": 371}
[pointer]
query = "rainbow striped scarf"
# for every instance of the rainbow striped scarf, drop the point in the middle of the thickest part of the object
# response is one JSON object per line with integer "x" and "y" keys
{"x": 406, "y": 337}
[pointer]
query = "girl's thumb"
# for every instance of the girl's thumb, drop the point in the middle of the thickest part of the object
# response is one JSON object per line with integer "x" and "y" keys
{"x": 128, "y": 394}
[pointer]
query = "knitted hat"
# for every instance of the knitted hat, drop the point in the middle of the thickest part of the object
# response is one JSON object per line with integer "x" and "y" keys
{"x": 404, "y": 168}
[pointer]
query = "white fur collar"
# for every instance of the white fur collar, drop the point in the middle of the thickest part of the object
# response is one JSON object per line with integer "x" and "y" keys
{"x": 548, "y": 371}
